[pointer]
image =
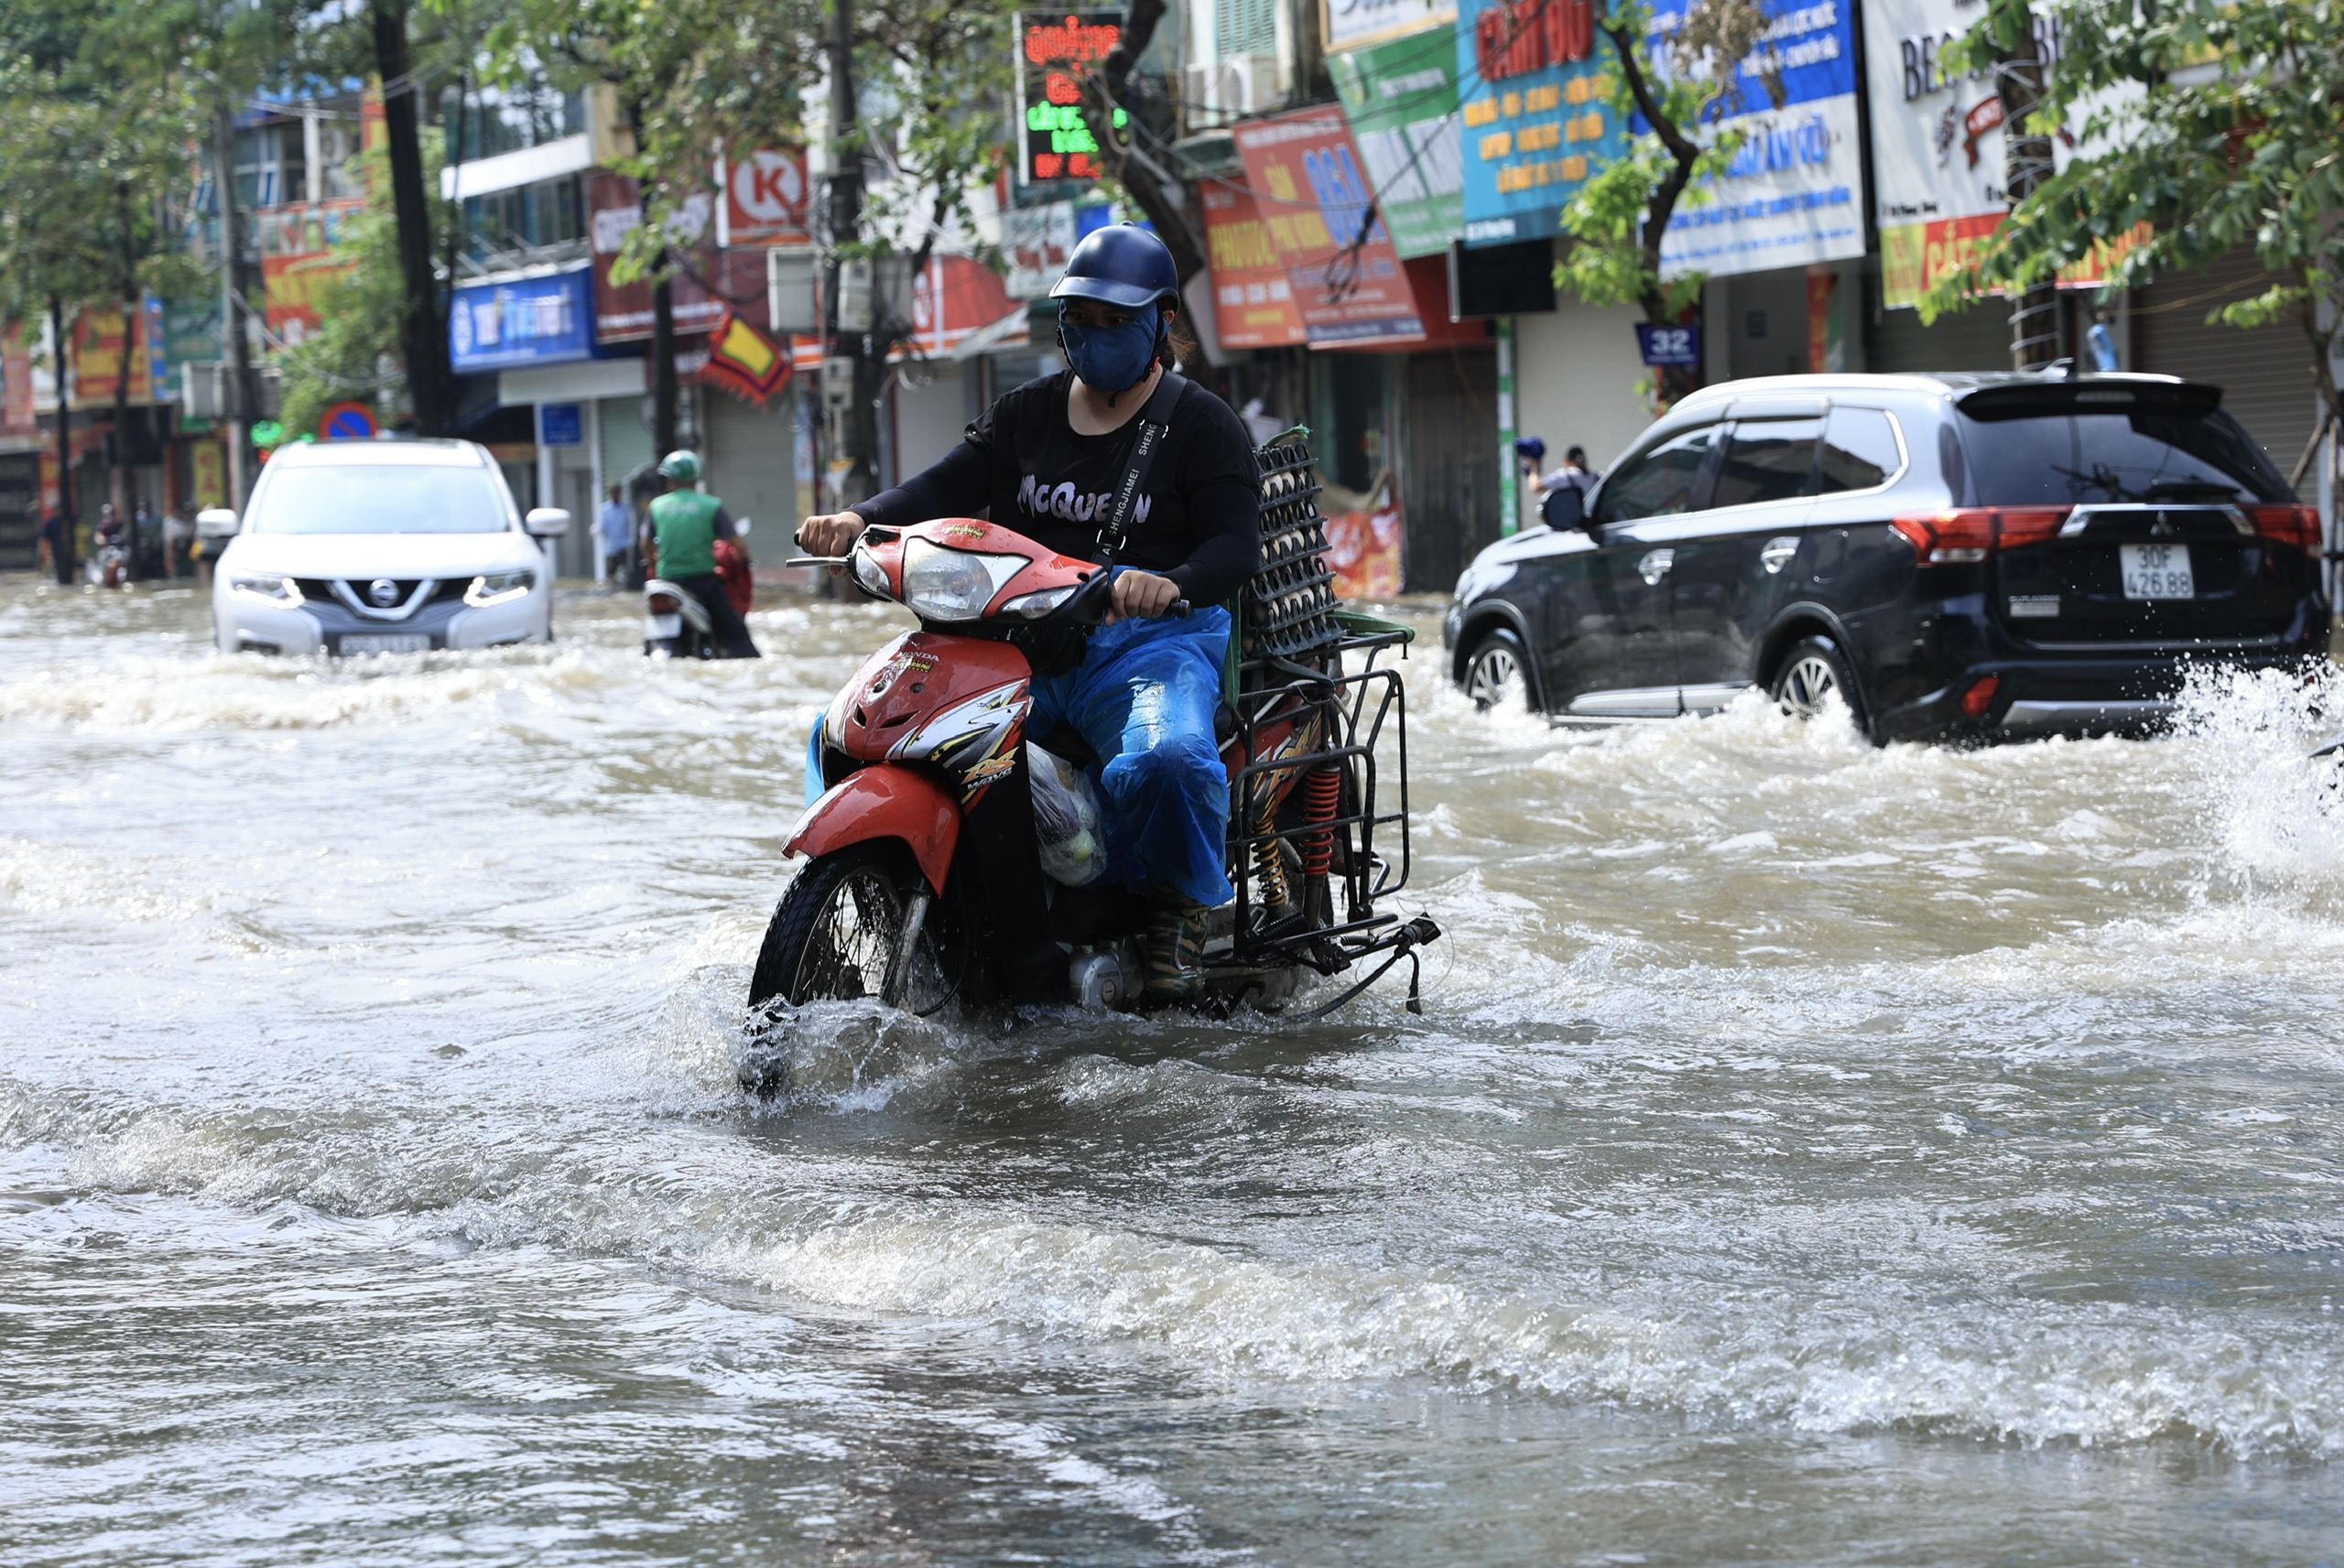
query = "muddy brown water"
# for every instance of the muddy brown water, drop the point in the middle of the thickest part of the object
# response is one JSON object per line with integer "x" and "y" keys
{"x": 1808, "y": 1153}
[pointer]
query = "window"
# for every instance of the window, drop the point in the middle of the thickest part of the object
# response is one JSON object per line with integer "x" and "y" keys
{"x": 1859, "y": 450}
{"x": 1768, "y": 460}
{"x": 1662, "y": 481}
{"x": 2065, "y": 460}
{"x": 380, "y": 498}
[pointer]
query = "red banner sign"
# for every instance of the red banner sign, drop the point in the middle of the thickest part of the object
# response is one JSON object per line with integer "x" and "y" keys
{"x": 1311, "y": 188}
{"x": 765, "y": 200}
{"x": 1253, "y": 298}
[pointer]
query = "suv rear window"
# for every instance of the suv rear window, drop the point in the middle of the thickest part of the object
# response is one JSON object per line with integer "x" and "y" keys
{"x": 2065, "y": 460}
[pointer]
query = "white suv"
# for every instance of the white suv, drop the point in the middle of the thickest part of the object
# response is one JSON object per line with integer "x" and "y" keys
{"x": 381, "y": 547}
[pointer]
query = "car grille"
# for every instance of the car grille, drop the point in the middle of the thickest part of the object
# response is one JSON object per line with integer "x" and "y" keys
{"x": 324, "y": 590}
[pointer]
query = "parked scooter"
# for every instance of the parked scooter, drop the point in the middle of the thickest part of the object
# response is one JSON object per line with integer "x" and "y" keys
{"x": 675, "y": 623}
{"x": 896, "y": 903}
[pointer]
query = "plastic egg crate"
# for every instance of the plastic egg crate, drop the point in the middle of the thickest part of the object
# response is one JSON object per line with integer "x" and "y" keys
{"x": 1287, "y": 602}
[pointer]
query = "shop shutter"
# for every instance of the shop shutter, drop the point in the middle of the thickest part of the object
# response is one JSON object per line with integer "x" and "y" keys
{"x": 1449, "y": 490}
{"x": 752, "y": 464}
{"x": 2265, "y": 373}
{"x": 1975, "y": 339}
{"x": 626, "y": 445}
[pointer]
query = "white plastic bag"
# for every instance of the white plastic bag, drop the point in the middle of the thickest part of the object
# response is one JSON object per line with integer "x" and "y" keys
{"x": 1066, "y": 820}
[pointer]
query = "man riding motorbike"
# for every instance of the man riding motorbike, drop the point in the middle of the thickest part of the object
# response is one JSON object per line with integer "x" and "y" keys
{"x": 1047, "y": 459}
{"x": 685, "y": 526}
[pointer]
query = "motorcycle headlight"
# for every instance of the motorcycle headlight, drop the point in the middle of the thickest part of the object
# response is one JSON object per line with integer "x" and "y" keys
{"x": 953, "y": 585}
{"x": 1034, "y": 606}
{"x": 267, "y": 590}
{"x": 495, "y": 588}
{"x": 870, "y": 574}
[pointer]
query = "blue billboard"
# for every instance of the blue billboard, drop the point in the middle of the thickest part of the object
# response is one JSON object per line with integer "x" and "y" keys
{"x": 523, "y": 321}
{"x": 1794, "y": 195}
{"x": 1534, "y": 91}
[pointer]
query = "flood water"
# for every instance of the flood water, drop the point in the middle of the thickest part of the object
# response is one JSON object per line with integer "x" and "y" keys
{"x": 1807, "y": 1154}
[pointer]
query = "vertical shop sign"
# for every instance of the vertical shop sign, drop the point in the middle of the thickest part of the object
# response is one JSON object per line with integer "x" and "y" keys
{"x": 1313, "y": 196}
{"x": 300, "y": 257}
{"x": 1055, "y": 50}
{"x": 101, "y": 355}
{"x": 1533, "y": 102}
{"x": 1827, "y": 332}
{"x": 1252, "y": 297}
{"x": 1936, "y": 145}
{"x": 16, "y": 372}
{"x": 1401, "y": 99}
{"x": 1794, "y": 194}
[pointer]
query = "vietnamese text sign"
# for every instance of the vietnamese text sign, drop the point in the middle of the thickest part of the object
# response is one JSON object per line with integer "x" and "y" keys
{"x": 529, "y": 320}
{"x": 1055, "y": 50}
{"x": 1313, "y": 196}
{"x": 1252, "y": 297}
{"x": 1937, "y": 144}
{"x": 1793, "y": 195}
{"x": 300, "y": 251}
{"x": 1533, "y": 99}
{"x": 1401, "y": 99}
{"x": 623, "y": 312}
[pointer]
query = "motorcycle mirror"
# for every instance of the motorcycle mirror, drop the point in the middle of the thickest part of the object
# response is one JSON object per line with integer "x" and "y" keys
{"x": 217, "y": 522}
{"x": 743, "y": 525}
{"x": 545, "y": 523}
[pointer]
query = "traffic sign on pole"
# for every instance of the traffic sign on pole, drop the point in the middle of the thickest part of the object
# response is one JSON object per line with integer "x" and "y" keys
{"x": 347, "y": 422}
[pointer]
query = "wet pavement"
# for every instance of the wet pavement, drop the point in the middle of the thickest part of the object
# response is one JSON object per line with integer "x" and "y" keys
{"x": 1808, "y": 1153}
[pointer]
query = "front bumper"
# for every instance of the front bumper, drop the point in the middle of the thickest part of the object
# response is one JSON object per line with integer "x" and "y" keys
{"x": 317, "y": 626}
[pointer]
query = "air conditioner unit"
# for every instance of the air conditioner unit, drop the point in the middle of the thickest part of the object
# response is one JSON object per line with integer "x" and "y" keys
{"x": 1240, "y": 84}
{"x": 203, "y": 389}
{"x": 793, "y": 290}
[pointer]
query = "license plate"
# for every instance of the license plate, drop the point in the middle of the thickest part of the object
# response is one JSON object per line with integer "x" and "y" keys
{"x": 2157, "y": 571}
{"x": 659, "y": 628}
{"x": 386, "y": 643}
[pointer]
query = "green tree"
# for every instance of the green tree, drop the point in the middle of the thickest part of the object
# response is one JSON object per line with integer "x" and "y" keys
{"x": 2207, "y": 125}
{"x": 1618, "y": 220}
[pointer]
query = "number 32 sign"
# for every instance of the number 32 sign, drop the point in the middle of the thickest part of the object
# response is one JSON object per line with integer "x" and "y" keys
{"x": 1668, "y": 345}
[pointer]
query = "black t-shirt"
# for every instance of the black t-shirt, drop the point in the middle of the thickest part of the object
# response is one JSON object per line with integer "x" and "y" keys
{"x": 1021, "y": 464}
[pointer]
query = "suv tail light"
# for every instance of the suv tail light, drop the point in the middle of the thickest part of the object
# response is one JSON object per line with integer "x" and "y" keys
{"x": 663, "y": 604}
{"x": 1973, "y": 533}
{"x": 2296, "y": 525}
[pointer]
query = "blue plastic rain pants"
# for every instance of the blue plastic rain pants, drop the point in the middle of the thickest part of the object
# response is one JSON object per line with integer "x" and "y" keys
{"x": 1144, "y": 699}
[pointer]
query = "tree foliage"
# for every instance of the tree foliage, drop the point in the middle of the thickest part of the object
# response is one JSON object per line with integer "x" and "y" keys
{"x": 2206, "y": 125}
{"x": 1618, "y": 218}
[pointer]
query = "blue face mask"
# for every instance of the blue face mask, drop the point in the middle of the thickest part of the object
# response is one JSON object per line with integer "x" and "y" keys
{"x": 1113, "y": 359}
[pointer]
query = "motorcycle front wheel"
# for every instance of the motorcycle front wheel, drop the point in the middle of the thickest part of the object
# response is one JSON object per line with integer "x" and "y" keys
{"x": 840, "y": 935}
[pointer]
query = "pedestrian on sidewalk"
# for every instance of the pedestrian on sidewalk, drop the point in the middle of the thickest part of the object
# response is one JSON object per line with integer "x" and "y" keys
{"x": 1574, "y": 472}
{"x": 53, "y": 546}
{"x": 178, "y": 538}
{"x": 617, "y": 523}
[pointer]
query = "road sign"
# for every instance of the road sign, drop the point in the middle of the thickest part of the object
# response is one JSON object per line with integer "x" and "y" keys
{"x": 347, "y": 422}
{"x": 561, "y": 425}
{"x": 1668, "y": 345}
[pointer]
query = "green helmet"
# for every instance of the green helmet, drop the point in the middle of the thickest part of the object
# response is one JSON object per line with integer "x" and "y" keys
{"x": 683, "y": 467}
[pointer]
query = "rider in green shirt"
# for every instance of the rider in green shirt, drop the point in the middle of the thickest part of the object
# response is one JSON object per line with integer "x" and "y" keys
{"x": 686, "y": 525}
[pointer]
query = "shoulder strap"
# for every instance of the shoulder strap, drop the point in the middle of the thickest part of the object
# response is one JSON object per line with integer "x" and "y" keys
{"x": 1155, "y": 422}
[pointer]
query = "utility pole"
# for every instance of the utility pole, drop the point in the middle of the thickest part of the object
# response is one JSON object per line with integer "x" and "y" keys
{"x": 237, "y": 338}
{"x": 126, "y": 285}
{"x": 858, "y": 426}
{"x": 60, "y": 353}
{"x": 423, "y": 332}
{"x": 664, "y": 392}
{"x": 2026, "y": 166}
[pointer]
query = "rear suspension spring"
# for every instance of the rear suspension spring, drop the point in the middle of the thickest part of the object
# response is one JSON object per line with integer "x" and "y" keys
{"x": 1322, "y": 790}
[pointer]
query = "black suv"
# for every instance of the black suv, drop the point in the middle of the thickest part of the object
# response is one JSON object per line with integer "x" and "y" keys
{"x": 1952, "y": 556}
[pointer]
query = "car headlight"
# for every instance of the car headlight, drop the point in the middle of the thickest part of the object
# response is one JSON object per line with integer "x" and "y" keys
{"x": 953, "y": 585}
{"x": 1034, "y": 606}
{"x": 495, "y": 588}
{"x": 268, "y": 588}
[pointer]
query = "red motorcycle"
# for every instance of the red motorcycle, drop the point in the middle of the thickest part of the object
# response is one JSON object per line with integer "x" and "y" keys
{"x": 924, "y": 878}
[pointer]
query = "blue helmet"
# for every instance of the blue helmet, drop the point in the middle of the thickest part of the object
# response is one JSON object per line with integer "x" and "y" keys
{"x": 1121, "y": 265}
{"x": 1530, "y": 447}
